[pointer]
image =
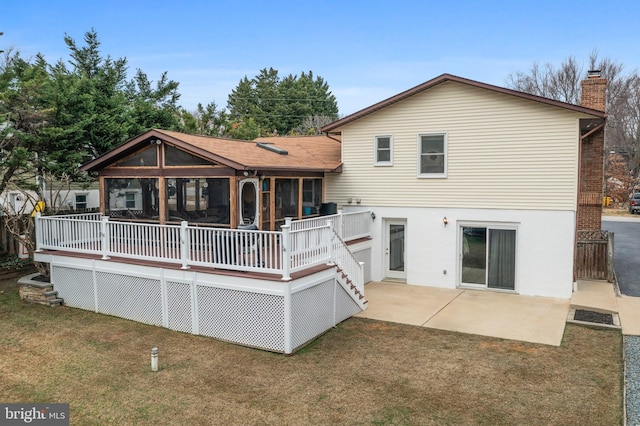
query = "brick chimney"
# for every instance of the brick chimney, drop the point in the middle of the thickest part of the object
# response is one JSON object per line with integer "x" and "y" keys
{"x": 594, "y": 91}
{"x": 591, "y": 156}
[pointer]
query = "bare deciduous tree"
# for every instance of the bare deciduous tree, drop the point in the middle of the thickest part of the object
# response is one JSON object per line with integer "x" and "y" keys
{"x": 617, "y": 178}
{"x": 18, "y": 204}
{"x": 311, "y": 125}
{"x": 563, "y": 83}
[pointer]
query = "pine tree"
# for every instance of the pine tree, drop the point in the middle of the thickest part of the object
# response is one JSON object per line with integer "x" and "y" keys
{"x": 280, "y": 106}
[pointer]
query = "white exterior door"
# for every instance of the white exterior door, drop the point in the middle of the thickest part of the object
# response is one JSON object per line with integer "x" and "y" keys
{"x": 394, "y": 249}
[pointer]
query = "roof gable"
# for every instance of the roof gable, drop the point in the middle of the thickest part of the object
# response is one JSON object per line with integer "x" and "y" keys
{"x": 448, "y": 77}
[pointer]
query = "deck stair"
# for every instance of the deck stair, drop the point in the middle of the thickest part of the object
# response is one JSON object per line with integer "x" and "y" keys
{"x": 351, "y": 289}
{"x": 52, "y": 297}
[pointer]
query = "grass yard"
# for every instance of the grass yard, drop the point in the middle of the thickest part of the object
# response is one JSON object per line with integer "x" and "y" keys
{"x": 611, "y": 211}
{"x": 362, "y": 372}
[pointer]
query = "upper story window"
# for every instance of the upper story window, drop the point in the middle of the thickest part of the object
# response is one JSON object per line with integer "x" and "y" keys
{"x": 384, "y": 151}
{"x": 432, "y": 155}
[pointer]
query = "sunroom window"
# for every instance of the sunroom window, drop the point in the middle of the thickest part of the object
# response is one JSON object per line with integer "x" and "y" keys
{"x": 132, "y": 198}
{"x": 147, "y": 157}
{"x": 311, "y": 196}
{"x": 201, "y": 200}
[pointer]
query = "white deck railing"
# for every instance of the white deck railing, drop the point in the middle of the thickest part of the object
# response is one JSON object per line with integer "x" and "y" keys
{"x": 244, "y": 250}
{"x": 298, "y": 246}
{"x": 68, "y": 233}
{"x": 308, "y": 247}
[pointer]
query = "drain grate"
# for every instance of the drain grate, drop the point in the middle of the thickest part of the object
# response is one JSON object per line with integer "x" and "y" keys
{"x": 594, "y": 317}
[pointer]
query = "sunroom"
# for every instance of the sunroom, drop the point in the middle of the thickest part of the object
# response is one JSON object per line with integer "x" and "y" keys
{"x": 169, "y": 177}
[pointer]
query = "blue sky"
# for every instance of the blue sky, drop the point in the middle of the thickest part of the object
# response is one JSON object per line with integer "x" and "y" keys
{"x": 366, "y": 50}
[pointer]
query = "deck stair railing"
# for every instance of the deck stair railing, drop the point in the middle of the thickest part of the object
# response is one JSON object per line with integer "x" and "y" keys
{"x": 349, "y": 226}
{"x": 350, "y": 271}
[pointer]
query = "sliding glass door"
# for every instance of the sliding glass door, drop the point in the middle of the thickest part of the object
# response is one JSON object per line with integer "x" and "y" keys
{"x": 488, "y": 257}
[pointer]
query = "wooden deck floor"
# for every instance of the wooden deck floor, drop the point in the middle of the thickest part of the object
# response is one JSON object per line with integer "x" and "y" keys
{"x": 175, "y": 266}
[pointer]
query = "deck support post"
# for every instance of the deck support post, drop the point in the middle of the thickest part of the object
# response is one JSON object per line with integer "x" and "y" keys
{"x": 339, "y": 224}
{"x": 330, "y": 235}
{"x": 287, "y": 319}
{"x": 286, "y": 252}
{"x": 184, "y": 244}
{"x": 104, "y": 234}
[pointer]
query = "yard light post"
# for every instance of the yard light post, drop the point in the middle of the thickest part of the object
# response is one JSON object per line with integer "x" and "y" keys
{"x": 154, "y": 359}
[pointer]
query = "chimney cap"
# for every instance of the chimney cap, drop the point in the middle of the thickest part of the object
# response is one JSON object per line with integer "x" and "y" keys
{"x": 593, "y": 74}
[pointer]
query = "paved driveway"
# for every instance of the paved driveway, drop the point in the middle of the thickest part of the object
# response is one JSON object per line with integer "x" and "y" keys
{"x": 626, "y": 258}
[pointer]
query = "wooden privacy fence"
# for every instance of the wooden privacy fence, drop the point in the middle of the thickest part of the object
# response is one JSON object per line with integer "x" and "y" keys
{"x": 594, "y": 255}
{"x": 9, "y": 243}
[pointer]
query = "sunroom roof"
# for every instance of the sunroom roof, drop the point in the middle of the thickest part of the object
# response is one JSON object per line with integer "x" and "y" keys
{"x": 304, "y": 153}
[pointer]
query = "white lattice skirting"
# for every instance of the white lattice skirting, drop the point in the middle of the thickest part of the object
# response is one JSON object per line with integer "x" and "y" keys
{"x": 276, "y": 316}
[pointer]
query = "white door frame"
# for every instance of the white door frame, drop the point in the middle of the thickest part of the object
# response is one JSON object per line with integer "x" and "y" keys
{"x": 391, "y": 245}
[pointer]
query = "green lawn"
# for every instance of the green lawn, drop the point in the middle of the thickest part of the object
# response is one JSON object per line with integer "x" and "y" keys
{"x": 361, "y": 372}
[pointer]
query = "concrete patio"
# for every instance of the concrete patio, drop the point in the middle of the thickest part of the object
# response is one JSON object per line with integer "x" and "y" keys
{"x": 496, "y": 314}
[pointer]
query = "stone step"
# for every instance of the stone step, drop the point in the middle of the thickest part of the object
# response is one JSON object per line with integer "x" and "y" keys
{"x": 56, "y": 302}
{"x": 50, "y": 293}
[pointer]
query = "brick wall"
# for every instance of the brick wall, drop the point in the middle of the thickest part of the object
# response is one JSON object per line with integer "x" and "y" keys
{"x": 591, "y": 175}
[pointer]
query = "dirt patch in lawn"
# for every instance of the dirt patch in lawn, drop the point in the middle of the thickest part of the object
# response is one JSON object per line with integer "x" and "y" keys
{"x": 362, "y": 372}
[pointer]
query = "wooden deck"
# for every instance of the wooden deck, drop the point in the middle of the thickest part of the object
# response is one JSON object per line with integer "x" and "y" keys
{"x": 209, "y": 270}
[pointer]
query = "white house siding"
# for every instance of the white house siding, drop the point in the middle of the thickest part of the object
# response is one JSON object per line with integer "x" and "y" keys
{"x": 510, "y": 162}
{"x": 544, "y": 252}
{"x": 503, "y": 152}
